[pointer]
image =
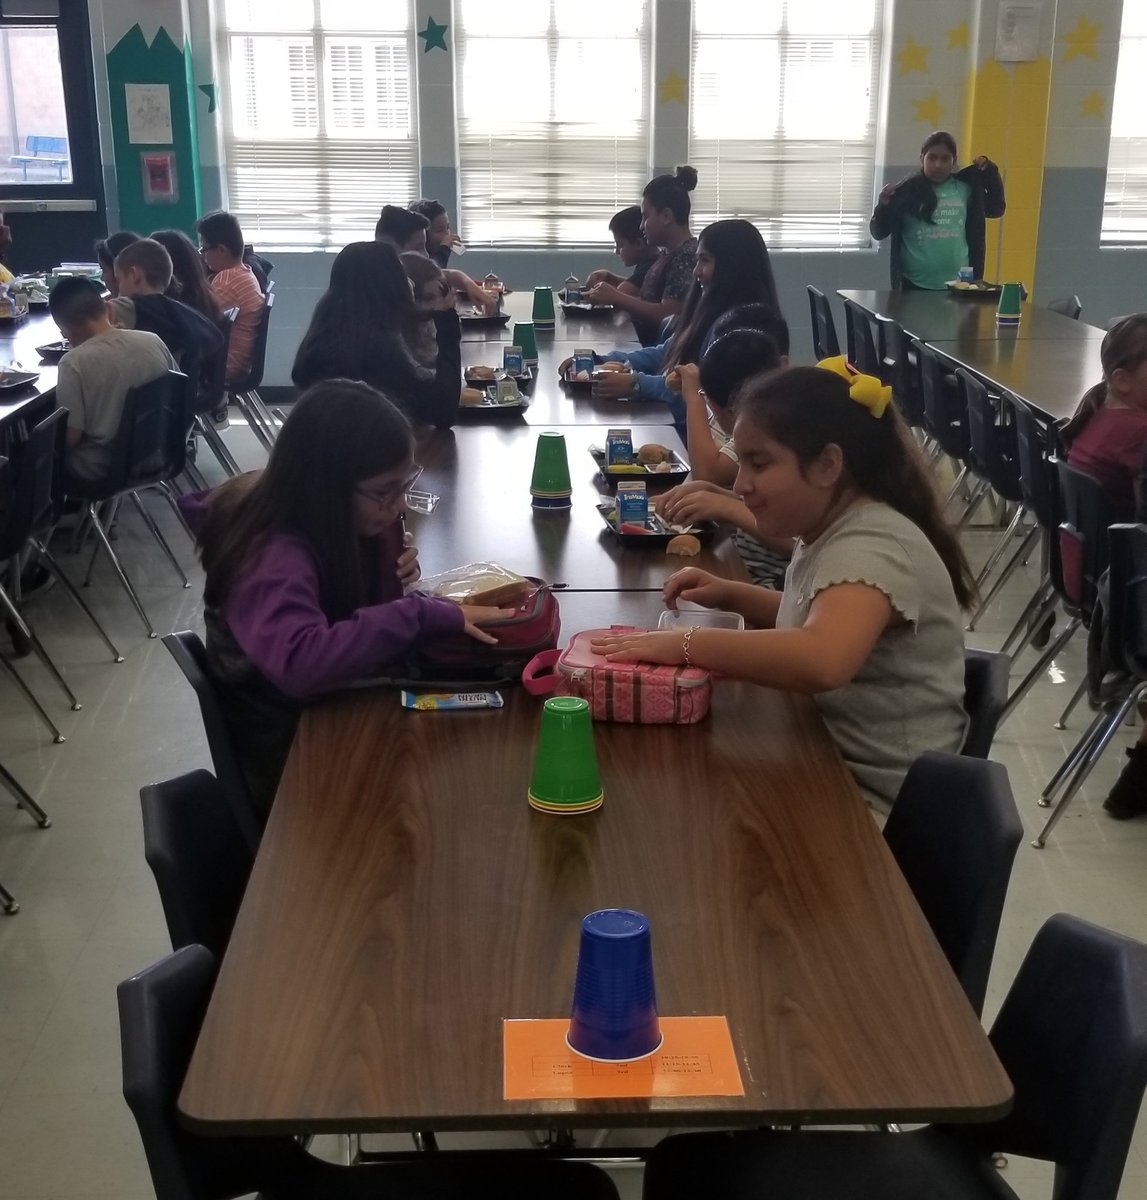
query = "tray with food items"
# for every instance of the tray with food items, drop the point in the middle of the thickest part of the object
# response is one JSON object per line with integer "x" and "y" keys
{"x": 13, "y": 379}
{"x": 654, "y": 530}
{"x": 976, "y": 288}
{"x": 582, "y": 370}
{"x": 574, "y": 303}
{"x": 483, "y": 377}
{"x": 618, "y": 460}
{"x": 494, "y": 397}
{"x": 53, "y": 351}
{"x": 473, "y": 317}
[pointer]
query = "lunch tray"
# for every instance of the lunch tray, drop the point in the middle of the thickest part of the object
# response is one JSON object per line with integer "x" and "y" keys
{"x": 660, "y": 532}
{"x": 677, "y": 473}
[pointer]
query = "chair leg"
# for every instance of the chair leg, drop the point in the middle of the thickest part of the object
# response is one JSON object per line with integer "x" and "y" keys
{"x": 13, "y": 614}
{"x": 5, "y": 665}
{"x": 23, "y": 799}
{"x": 1002, "y": 545}
{"x": 9, "y": 901}
{"x": 979, "y": 494}
{"x": 1077, "y": 695}
{"x": 149, "y": 521}
{"x": 1074, "y": 756}
{"x": 1036, "y": 671}
{"x": 254, "y": 421}
{"x": 53, "y": 566}
{"x": 956, "y": 486}
{"x": 164, "y": 488}
{"x": 1009, "y": 570}
{"x": 105, "y": 541}
{"x": 217, "y": 445}
{"x": 111, "y": 509}
{"x": 1042, "y": 602}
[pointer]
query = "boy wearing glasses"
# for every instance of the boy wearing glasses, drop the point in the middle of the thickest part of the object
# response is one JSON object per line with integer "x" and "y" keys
{"x": 233, "y": 281}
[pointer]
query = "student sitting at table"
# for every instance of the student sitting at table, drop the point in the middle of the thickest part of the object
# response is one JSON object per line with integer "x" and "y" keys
{"x": 440, "y": 238}
{"x": 234, "y": 284}
{"x": 1107, "y": 434}
{"x": 869, "y": 620}
{"x": 665, "y": 209}
{"x": 431, "y": 294}
{"x": 630, "y": 246}
{"x": 106, "y": 250}
{"x": 358, "y": 331}
{"x": 143, "y": 274}
{"x": 189, "y": 283}
{"x": 407, "y": 230}
{"x": 935, "y": 216}
{"x": 307, "y": 564}
{"x": 732, "y": 268}
{"x": 97, "y": 373}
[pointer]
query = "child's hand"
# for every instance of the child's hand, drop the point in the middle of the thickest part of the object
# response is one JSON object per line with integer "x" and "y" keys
{"x": 696, "y": 586}
{"x": 701, "y": 505}
{"x": 481, "y": 614}
{"x": 689, "y": 375}
{"x": 613, "y": 385}
{"x": 886, "y": 193}
{"x": 602, "y": 293}
{"x": 409, "y": 570}
{"x": 564, "y": 366}
{"x": 596, "y": 277}
{"x": 982, "y": 162}
{"x": 661, "y": 647}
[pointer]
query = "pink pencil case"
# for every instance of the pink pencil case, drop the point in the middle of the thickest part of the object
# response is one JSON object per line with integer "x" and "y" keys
{"x": 636, "y": 693}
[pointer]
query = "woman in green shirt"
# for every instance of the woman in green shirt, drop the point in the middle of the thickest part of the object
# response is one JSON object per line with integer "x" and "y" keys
{"x": 936, "y": 216}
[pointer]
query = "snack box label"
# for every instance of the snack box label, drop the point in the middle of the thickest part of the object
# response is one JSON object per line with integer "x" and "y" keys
{"x": 632, "y": 503}
{"x": 618, "y": 447}
{"x": 967, "y": 274}
{"x": 507, "y": 392}
{"x": 582, "y": 361}
{"x": 512, "y": 361}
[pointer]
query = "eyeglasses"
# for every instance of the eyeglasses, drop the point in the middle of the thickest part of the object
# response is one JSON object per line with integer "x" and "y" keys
{"x": 389, "y": 495}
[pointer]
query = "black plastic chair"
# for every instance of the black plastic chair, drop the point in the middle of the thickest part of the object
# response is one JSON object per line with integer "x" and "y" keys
{"x": 25, "y": 801}
{"x": 1067, "y": 306}
{"x": 149, "y": 450}
{"x": 191, "y": 657}
{"x": 945, "y": 416}
{"x": 863, "y": 351}
{"x": 161, "y": 1010}
{"x": 199, "y": 857}
{"x": 902, "y": 371}
{"x": 954, "y": 831}
{"x": 825, "y": 343}
{"x": 986, "y": 677}
{"x": 1126, "y": 616}
{"x": 1072, "y": 1036}
{"x": 245, "y": 392}
{"x": 213, "y": 395}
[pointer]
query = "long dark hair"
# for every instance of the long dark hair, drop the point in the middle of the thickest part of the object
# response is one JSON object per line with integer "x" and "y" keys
{"x": 368, "y": 299}
{"x": 809, "y": 408}
{"x": 338, "y": 434}
{"x": 189, "y": 282}
{"x": 923, "y": 193}
{"x": 672, "y": 192}
{"x": 1124, "y": 347}
{"x": 742, "y": 274}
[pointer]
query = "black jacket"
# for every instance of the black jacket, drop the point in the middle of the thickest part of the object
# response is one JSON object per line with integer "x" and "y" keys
{"x": 192, "y": 339}
{"x": 914, "y": 195}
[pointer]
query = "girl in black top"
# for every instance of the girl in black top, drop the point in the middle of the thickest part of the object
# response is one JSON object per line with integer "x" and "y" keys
{"x": 358, "y": 332}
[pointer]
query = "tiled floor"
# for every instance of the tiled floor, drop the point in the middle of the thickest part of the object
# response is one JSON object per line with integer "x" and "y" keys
{"x": 90, "y": 915}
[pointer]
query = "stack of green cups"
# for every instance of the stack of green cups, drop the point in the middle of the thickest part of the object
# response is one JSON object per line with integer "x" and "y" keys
{"x": 544, "y": 316}
{"x": 550, "y": 484}
{"x": 565, "y": 779}
{"x": 1008, "y": 309}
{"x": 524, "y": 337}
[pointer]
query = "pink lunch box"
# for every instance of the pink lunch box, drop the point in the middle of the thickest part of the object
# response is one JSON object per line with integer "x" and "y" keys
{"x": 637, "y": 693}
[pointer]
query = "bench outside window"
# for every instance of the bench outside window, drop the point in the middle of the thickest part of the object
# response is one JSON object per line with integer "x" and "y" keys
{"x": 41, "y": 151}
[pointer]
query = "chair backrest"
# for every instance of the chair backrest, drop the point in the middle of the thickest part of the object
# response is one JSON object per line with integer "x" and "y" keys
{"x": 1072, "y": 1036}
{"x": 1036, "y": 445}
{"x": 258, "y": 350}
{"x": 902, "y": 371}
{"x": 992, "y": 453}
{"x": 213, "y": 387}
{"x": 33, "y": 484}
{"x": 199, "y": 857}
{"x": 863, "y": 352}
{"x": 1068, "y": 306}
{"x": 1127, "y": 600}
{"x": 825, "y": 343}
{"x": 191, "y": 656}
{"x": 954, "y": 831}
{"x": 945, "y": 416}
{"x": 986, "y": 679}
{"x": 1083, "y": 542}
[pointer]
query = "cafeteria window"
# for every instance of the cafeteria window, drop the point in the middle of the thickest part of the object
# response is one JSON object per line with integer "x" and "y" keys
{"x": 33, "y": 119}
{"x": 1125, "y": 197}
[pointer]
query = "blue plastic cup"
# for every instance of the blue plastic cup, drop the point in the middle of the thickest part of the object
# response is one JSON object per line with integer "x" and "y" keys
{"x": 614, "y": 1013}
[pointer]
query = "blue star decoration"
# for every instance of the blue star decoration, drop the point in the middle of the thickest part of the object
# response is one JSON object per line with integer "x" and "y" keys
{"x": 434, "y": 34}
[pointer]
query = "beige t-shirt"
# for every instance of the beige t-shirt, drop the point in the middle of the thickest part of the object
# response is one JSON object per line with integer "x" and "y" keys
{"x": 92, "y": 384}
{"x": 908, "y": 696}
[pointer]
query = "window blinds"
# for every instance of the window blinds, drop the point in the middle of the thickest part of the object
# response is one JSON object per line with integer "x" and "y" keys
{"x": 319, "y": 117}
{"x": 548, "y": 160}
{"x": 1125, "y": 199}
{"x": 783, "y": 117}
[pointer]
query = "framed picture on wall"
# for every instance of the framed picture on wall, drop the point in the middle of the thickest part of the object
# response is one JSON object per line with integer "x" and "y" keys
{"x": 160, "y": 182}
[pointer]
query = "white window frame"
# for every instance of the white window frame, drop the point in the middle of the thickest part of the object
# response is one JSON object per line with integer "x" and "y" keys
{"x": 1124, "y": 220}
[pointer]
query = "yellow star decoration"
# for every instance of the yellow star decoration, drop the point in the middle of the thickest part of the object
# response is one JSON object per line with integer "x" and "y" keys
{"x": 672, "y": 87}
{"x": 958, "y": 37}
{"x": 913, "y": 57}
{"x": 929, "y": 110}
{"x": 1081, "y": 40}
{"x": 1093, "y": 105}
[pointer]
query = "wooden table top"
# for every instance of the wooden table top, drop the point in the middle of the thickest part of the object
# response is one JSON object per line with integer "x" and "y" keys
{"x": 406, "y": 900}
{"x": 482, "y": 473}
{"x": 943, "y": 316}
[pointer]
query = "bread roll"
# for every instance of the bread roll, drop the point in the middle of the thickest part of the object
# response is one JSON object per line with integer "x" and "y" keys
{"x": 612, "y": 366}
{"x": 651, "y": 454}
{"x": 480, "y": 373}
{"x": 684, "y": 544}
{"x": 472, "y": 397}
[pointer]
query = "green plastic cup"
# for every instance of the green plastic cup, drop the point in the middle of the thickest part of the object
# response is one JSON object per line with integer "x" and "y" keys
{"x": 550, "y": 483}
{"x": 1008, "y": 309}
{"x": 565, "y": 780}
{"x": 524, "y": 337}
{"x": 544, "y": 316}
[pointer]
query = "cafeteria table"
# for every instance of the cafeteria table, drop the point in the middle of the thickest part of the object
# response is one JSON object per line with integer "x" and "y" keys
{"x": 18, "y": 344}
{"x": 405, "y": 901}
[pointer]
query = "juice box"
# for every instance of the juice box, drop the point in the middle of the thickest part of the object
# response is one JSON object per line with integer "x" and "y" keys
{"x": 512, "y": 361}
{"x": 632, "y": 503}
{"x": 618, "y": 447}
{"x": 582, "y": 361}
{"x": 507, "y": 392}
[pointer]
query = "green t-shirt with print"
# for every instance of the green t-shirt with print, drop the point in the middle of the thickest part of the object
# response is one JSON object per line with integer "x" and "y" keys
{"x": 932, "y": 252}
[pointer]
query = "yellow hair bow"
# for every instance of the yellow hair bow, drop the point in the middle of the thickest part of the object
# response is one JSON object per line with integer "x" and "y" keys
{"x": 864, "y": 389}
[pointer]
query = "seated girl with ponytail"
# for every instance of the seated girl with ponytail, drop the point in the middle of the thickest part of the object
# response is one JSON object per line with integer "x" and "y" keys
{"x": 869, "y": 620}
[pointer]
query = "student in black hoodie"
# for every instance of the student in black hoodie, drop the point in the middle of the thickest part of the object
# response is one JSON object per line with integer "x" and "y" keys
{"x": 143, "y": 274}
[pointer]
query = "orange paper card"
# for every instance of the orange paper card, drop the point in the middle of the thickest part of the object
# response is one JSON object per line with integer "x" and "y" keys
{"x": 696, "y": 1059}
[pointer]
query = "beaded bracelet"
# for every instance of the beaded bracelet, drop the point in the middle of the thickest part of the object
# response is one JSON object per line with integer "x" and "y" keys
{"x": 686, "y": 643}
